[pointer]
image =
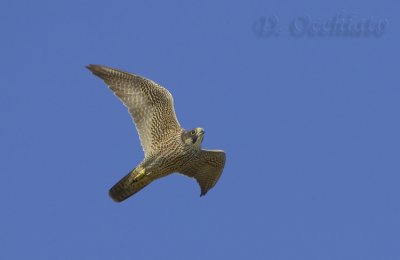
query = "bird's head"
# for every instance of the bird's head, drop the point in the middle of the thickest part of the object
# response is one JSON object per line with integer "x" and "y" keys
{"x": 193, "y": 137}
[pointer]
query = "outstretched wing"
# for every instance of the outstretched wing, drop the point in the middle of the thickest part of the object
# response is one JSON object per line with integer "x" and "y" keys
{"x": 206, "y": 169}
{"x": 150, "y": 105}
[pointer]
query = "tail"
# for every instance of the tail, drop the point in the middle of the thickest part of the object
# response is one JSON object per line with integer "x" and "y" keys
{"x": 133, "y": 182}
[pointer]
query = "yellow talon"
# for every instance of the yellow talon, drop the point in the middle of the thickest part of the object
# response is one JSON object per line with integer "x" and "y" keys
{"x": 140, "y": 174}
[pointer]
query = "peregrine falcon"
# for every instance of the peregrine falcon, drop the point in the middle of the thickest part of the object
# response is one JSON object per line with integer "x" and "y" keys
{"x": 167, "y": 147}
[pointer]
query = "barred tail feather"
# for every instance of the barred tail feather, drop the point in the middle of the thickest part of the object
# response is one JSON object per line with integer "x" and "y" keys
{"x": 128, "y": 186}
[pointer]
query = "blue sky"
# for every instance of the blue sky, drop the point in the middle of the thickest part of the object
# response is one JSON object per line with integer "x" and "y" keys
{"x": 310, "y": 126}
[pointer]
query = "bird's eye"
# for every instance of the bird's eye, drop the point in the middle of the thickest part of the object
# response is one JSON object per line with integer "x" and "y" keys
{"x": 192, "y": 132}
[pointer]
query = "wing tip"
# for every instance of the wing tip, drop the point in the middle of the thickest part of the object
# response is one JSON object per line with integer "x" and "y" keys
{"x": 203, "y": 193}
{"x": 97, "y": 70}
{"x": 92, "y": 67}
{"x": 105, "y": 72}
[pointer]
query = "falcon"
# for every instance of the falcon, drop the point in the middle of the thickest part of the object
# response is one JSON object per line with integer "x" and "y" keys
{"x": 168, "y": 148}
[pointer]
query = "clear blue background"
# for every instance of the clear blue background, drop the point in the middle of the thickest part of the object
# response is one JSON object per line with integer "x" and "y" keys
{"x": 310, "y": 126}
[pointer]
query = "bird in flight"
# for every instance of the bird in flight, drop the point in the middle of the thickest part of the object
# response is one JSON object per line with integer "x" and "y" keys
{"x": 167, "y": 147}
